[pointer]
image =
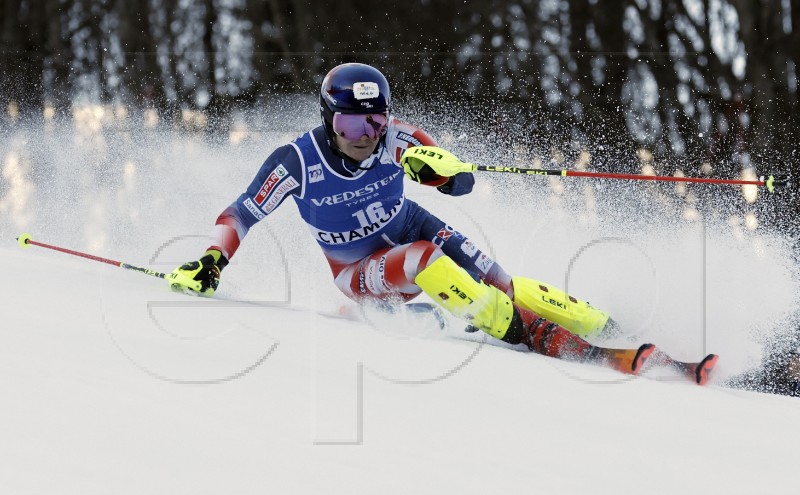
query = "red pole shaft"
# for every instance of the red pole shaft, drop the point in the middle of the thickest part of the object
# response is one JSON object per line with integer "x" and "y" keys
{"x": 25, "y": 240}
{"x": 576, "y": 173}
{"x": 75, "y": 253}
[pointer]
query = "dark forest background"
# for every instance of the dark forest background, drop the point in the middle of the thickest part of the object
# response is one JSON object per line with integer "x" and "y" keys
{"x": 706, "y": 86}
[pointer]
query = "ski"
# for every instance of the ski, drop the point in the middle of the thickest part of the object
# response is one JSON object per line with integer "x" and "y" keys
{"x": 630, "y": 361}
{"x": 699, "y": 372}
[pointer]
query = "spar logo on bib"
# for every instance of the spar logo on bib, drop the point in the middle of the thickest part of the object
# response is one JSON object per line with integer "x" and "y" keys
{"x": 269, "y": 184}
{"x": 278, "y": 194}
{"x": 366, "y": 90}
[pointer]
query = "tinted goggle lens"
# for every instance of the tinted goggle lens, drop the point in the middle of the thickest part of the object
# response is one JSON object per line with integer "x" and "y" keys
{"x": 352, "y": 126}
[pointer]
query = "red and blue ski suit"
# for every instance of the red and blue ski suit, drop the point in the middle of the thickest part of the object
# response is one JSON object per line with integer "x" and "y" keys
{"x": 375, "y": 239}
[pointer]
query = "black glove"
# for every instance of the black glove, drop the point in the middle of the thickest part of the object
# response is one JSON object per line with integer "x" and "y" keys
{"x": 458, "y": 184}
{"x": 201, "y": 276}
{"x": 424, "y": 174}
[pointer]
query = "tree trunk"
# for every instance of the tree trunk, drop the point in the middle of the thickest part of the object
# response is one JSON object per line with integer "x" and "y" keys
{"x": 211, "y": 20}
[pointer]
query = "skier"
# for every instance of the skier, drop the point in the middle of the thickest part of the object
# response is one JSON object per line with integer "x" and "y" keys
{"x": 346, "y": 177}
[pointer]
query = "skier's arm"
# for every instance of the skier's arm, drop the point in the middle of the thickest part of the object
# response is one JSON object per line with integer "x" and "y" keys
{"x": 403, "y": 136}
{"x": 279, "y": 177}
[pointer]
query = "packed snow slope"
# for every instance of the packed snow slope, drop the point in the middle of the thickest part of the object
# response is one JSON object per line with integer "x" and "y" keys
{"x": 113, "y": 384}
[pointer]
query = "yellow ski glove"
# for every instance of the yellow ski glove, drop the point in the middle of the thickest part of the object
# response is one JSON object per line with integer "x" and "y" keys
{"x": 430, "y": 164}
{"x": 199, "y": 277}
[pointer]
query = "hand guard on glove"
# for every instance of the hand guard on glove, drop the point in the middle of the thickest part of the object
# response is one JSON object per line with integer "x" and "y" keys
{"x": 201, "y": 276}
{"x": 458, "y": 184}
{"x": 434, "y": 166}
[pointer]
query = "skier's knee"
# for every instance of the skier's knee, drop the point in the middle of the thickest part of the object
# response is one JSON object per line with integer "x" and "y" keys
{"x": 420, "y": 255}
{"x": 452, "y": 287}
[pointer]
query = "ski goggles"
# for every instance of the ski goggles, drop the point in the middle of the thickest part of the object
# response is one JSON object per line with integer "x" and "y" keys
{"x": 352, "y": 126}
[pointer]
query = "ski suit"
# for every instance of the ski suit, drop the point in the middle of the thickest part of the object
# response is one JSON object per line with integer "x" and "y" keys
{"x": 375, "y": 239}
{"x": 382, "y": 246}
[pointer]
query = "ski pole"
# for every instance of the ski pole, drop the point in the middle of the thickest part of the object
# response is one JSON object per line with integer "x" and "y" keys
{"x": 770, "y": 182}
{"x": 25, "y": 241}
{"x": 445, "y": 163}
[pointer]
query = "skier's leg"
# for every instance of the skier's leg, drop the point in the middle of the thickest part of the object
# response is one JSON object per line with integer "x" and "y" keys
{"x": 541, "y": 298}
{"x": 492, "y": 311}
{"x": 402, "y": 272}
{"x": 387, "y": 274}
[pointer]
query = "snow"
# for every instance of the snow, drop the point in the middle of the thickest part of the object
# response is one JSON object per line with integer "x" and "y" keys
{"x": 112, "y": 384}
{"x": 84, "y": 412}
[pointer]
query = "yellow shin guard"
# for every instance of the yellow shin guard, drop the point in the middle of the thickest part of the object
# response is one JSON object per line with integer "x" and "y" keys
{"x": 555, "y": 305}
{"x": 455, "y": 290}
